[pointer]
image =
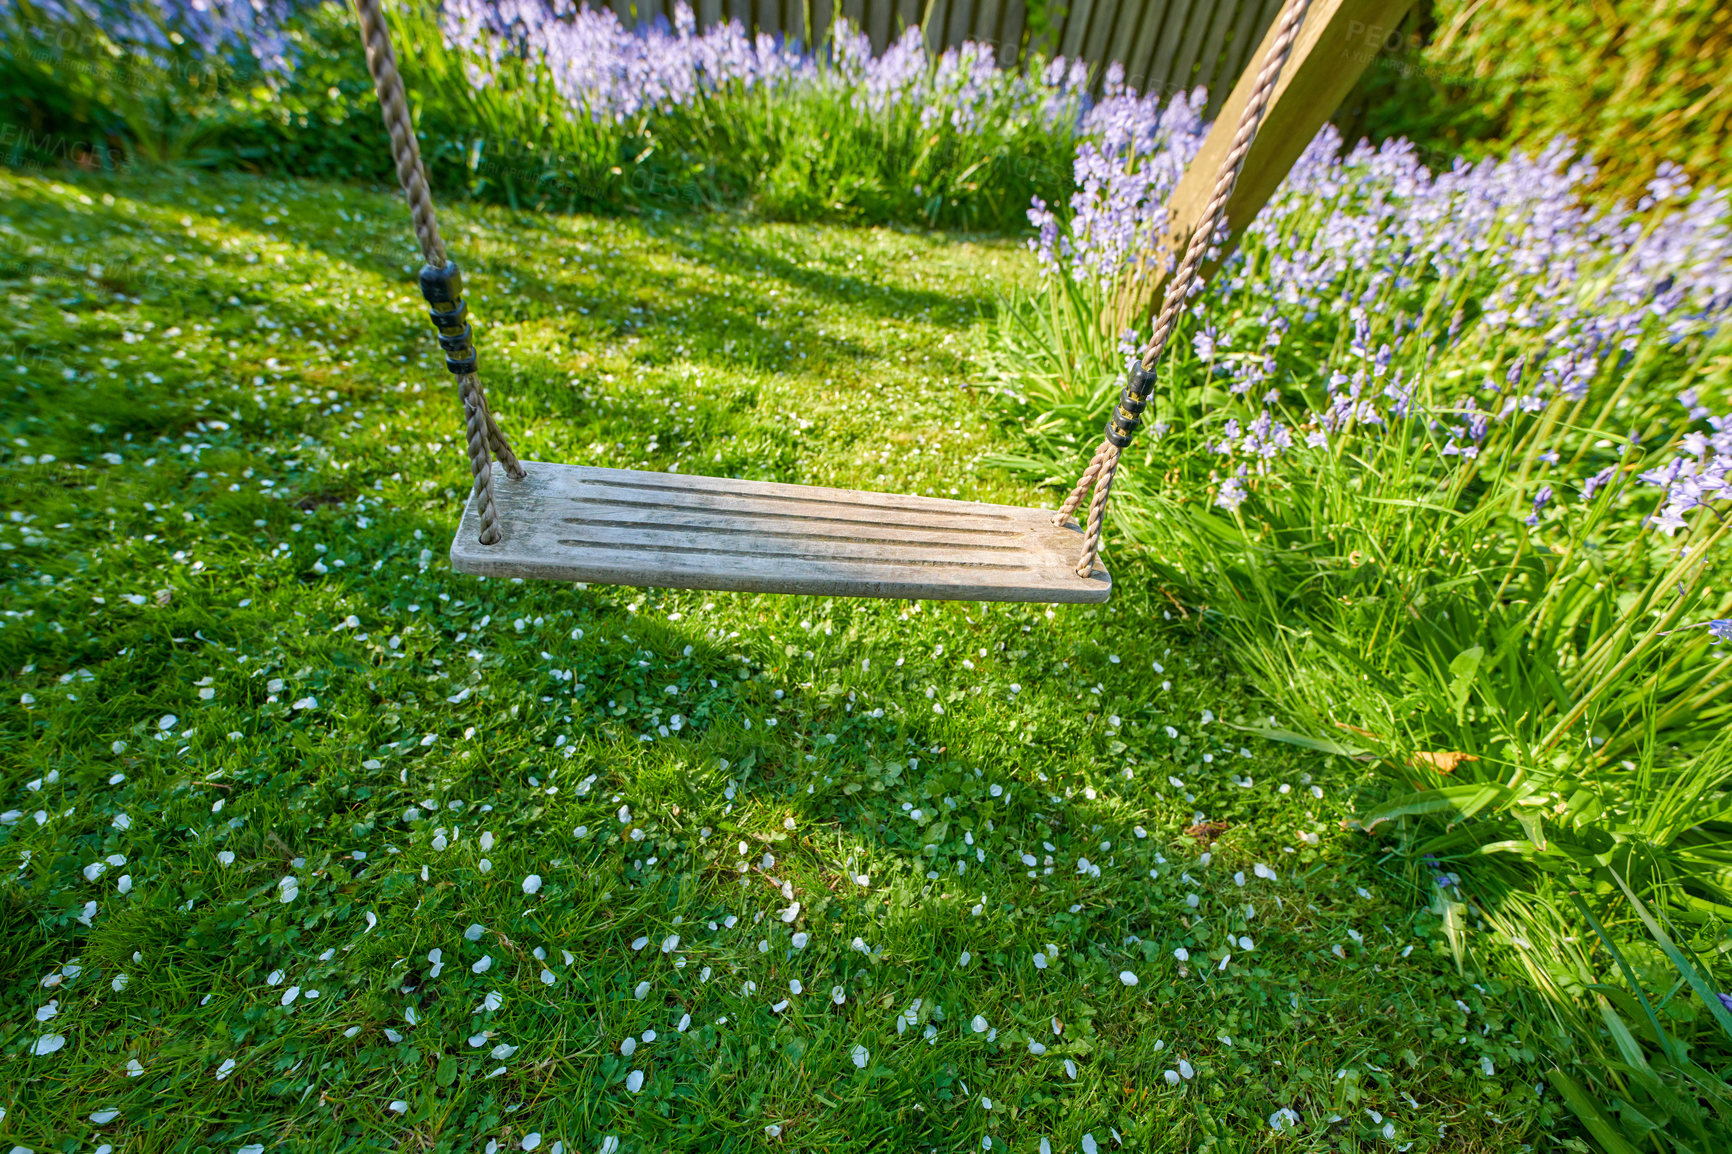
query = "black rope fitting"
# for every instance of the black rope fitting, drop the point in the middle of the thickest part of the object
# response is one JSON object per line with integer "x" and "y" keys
{"x": 1127, "y": 415}
{"x": 1141, "y": 381}
{"x": 443, "y": 290}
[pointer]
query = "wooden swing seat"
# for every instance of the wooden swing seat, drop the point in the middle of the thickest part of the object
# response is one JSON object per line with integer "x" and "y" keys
{"x": 670, "y": 530}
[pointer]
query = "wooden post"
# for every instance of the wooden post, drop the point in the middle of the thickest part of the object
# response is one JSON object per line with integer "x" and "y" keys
{"x": 1335, "y": 44}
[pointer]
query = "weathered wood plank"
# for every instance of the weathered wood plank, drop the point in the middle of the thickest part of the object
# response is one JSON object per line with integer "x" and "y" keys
{"x": 933, "y": 22}
{"x": 1123, "y": 36}
{"x": 627, "y": 527}
{"x": 1328, "y": 55}
{"x": 985, "y": 29}
{"x": 1161, "y": 74}
{"x": 1010, "y": 32}
{"x": 1184, "y": 64}
{"x": 1142, "y": 54}
{"x": 1076, "y": 26}
{"x": 908, "y": 16}
{"x": 1210, "y": 58}
{"x": 709, "y": 13}
{"x": 1248, "y": 29}
{"x": 1101, "y": 23}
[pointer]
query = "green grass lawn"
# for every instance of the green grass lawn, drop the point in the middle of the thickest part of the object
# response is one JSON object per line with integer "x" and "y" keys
{"x": 307, "y": 843}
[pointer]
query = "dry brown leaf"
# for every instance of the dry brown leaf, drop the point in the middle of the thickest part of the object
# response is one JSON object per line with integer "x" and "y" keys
{"x": 1206, "y": 832}
{"x": 1442, "y": 762}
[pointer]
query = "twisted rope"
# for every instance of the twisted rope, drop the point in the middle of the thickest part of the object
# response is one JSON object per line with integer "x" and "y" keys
{"x": 1105, "y": 463}
{"x": 482, "y": 432}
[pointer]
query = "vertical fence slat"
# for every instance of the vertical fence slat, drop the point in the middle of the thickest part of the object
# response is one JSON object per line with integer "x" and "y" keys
{"x": 1010, "y": 32}
{"x": 1186, "y": 62}
{"x": 1142, "y": 56}
{"x": 741, "y": 11}
{"x": 957, "y": 27}
{"x": 985, "y": 29}
{"x": 769, "y": 16}
{"x": 823, "y": 15}
{"x": 1211, "y": 57}
{"x": 1161, "y": 73}
{"x": 904, "y": 16}
{"x": 932, "y": 22}
{"x": 709, "y": 13}
{"x": 855, "y": 13}
{"x": 1124, "y": 32}
{"x": 1255, "y": 16}
{"x": 1076, "y": 27}
{"x": 1101, "y": 22}
{"x": 794, "y": 21}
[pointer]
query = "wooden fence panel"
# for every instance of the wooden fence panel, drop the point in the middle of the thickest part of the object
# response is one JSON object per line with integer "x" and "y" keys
{"x": 1165, "y": 46}
{"x": 1217, "y": 33}
{"x": 1101, "y": 24}
{"x": 1010, "y": 32}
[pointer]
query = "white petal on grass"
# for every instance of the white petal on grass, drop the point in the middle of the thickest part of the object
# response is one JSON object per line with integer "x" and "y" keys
{"x": 224, "y": 1070}
{"x": 685, "y": 1023}
{"x": 628, "y": 1047}
{"x": 531, "y": 1141}
{"x": 251, "y": 1148}
{"x": 484, "y": 866}
{"x": 800, "y": 939}
{"x": 642, "y": 991}
{"x": 481, "y": 967}
{"x": 503, "y": 1050}
{"x": 133, "y": 1068}
{"x": 634, "y": 1081}
{"x": 492, "y": 1001}
{"x": 1045, "y": 1146}
{"x": 1182, "y": 954}
{"x": 225, "y": 857}
{"x": 289, "y": 995}
{"x": 48, "y": 1044}
{"x": 670, "y": 943}
{"x": 794, "y": 986}
{"x": 532, "y": 884}
{"x": 474, "y": 932}
{"x": 861, "y": 1055}
{"x": 1186, "y": 1071}
{"x": 609, "y": 1145}
{"x": 1089, "y": 1146}
{"x": 838, "y": 995}
{"x": 1172, "y": 1077}
{"x": 978, "y": 1024}
{"x": 640, "y": 942}
{"x": 1070, "y": 1069}
{"x": 1040, "y": 961}
{"x": 398, "y": 1107}
{"x": 547, "y": 978}
{"x": 1127, "y": 977}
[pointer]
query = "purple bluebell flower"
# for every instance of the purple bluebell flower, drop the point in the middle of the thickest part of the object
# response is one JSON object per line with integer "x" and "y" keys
{"x": 1231, "y": 496}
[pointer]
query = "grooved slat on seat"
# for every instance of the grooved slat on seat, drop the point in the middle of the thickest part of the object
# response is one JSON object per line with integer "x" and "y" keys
{"x": 627, "y": 527}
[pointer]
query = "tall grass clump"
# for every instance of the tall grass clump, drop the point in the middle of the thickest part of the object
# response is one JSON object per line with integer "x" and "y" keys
{"x": 1446, "y": 458}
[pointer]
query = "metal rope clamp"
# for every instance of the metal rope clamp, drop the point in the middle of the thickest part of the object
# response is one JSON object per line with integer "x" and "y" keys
{"x": 1127, "y": 415}
{"x": 443, "y": 290}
